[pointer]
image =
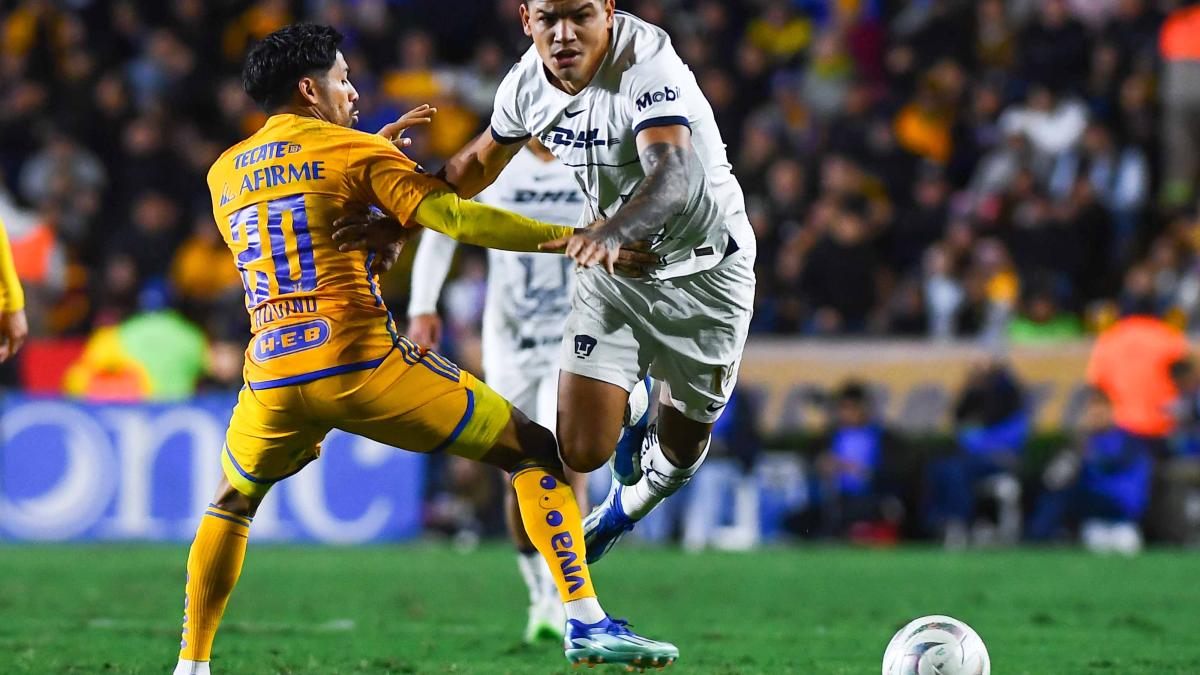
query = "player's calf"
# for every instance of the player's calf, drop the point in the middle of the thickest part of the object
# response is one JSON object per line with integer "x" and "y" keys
{"x": 590, "y": 413}
{"x": 213, "y": 567}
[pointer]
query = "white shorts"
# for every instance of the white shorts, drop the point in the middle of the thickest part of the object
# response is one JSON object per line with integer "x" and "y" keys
{"x": 687, "y": 332}
{"x": 525, "y": 375}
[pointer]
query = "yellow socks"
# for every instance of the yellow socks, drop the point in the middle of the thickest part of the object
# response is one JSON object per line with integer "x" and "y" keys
{"x": 552, "y": 520}
{"x": 213, "y": 567}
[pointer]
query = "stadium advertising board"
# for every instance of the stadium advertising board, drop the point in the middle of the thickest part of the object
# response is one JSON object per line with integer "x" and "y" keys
{"x": 915, "y": 383}
{"x": 74, "y": 471}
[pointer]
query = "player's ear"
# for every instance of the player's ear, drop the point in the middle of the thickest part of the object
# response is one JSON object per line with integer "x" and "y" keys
{"x": 307, "y": 87}
{"x": 524, "y": 12}
{"x": 610, "y": 7}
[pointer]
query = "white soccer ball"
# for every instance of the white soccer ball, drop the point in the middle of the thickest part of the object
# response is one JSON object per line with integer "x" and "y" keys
{"x": 936, "y": 645}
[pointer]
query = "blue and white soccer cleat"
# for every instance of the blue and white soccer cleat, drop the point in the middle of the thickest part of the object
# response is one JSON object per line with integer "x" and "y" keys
{"x": 626, "y": 460}
{"x": 610, "y": 641}
{"x": 605, "y": 525}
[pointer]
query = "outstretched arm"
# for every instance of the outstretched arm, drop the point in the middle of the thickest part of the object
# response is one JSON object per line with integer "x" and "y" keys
{"x": 664, "y": 153}
{"x": 478, "y": 164}
{"x": 473, "y": 223}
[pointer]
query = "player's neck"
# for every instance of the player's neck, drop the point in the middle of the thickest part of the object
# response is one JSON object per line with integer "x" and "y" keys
{"x": 302, "y": 111}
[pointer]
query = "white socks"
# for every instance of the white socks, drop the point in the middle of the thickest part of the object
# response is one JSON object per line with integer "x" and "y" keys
{"x": 660, "y": 478}
{"x": 532, "y": 570}
{"x": 185, "y": 667}
{"x": 584, "y": 610}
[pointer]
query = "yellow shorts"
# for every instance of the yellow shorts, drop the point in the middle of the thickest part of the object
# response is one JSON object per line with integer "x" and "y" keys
{"x": 420, "y": 403}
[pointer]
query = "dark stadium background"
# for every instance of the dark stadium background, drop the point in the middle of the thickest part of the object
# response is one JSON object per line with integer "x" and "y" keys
{"x": 952, "y": 199}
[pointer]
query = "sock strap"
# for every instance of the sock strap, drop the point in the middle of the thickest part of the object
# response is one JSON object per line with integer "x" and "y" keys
{"x": 218, "y": 512}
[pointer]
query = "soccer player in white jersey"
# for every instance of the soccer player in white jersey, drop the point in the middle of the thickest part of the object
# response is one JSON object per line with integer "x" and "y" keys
{"x": 528, "y": 299}
{"x": 608, "y": 95}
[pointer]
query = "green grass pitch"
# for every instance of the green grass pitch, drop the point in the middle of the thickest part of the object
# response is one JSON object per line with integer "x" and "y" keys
{"x": 427, "y": 609}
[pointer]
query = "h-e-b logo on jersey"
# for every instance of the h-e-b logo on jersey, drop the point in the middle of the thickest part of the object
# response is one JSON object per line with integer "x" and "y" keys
{"x": 584, "y": 344}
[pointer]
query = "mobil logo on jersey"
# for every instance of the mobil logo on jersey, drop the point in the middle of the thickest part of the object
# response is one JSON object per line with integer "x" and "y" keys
{"x": 657, "y": 96}
{"x": 583, "y": 138}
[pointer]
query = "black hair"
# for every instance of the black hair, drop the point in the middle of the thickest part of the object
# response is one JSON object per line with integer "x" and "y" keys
{"x": 274, "y": 65}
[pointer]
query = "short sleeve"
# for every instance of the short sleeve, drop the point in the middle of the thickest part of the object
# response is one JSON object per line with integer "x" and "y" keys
{"x": 507, "y": 124}
{"x": 655, "y": 91}
{"x": 383, "y": 176}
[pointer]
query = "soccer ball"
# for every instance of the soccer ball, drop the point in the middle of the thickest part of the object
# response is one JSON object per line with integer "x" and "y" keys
{"x": 936, "y": 645}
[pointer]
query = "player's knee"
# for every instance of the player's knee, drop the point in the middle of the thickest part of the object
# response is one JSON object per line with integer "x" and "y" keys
{"x": 229, "y": 499}
{"x": 538, "y": 444}
{"x": 581, "y": 453}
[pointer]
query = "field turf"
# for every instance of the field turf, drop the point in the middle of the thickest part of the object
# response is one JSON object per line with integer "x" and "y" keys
{"x": 428, "y": 609}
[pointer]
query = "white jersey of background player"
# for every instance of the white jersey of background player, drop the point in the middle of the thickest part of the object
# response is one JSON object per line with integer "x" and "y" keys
{"x": 528, "y": 299}
{"x": 607, "y": 93}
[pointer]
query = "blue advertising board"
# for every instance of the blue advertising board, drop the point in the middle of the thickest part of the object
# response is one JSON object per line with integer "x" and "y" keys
{"x": 79, "y": 471}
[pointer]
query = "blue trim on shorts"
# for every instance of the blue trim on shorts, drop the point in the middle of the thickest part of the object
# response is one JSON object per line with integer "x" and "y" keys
{"x": 247, "y": 476}
{"x": 435, "y": 369}
{"x": 262, "y": 481}
{"x": 665, "y": 121}
{"x": 462, "y": 424}
{"x": 316, "y": 374}
{"x": 441, "y": 365}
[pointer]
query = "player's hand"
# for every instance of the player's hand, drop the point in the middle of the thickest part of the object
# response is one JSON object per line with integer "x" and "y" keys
{"x": 425, "y": 330}
{"x": 386, "y": 257}
{"x": 394, "y": 131}
{"x": 14, "y": 328}
{"x": 368, "y": 231}
{"x": 587, "y": 249}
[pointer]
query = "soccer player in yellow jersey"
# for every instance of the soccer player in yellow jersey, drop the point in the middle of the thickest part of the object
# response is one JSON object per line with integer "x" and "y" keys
{"x": 13, "y": 326}
{"x": 325, "y": 353}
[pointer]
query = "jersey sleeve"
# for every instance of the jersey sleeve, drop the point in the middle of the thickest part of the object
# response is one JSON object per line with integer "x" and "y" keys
{"x": 655, "y": 94}
{"x": 431, "y": 264}
{"x": 507, "y": 124}
{"x": 381, "y": 175}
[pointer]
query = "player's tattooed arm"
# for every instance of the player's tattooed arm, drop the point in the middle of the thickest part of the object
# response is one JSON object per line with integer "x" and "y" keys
{"x": 665, "y": 153}
{"x": 662, "y": 194}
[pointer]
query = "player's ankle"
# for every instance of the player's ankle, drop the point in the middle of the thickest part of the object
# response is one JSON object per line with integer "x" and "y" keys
{"x": 584, "y": 610}
{"x": 188, "y": 667}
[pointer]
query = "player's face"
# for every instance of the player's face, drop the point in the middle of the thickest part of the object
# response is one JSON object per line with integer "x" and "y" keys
{"x": 571, "y": 36}
{"x": 336, "y": 98}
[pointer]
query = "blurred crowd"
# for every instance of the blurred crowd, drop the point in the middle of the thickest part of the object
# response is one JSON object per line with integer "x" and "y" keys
{"x": 1010, "y": 171}
{"x": 1004, "y": 170}
{"x": 1125, "y": 471}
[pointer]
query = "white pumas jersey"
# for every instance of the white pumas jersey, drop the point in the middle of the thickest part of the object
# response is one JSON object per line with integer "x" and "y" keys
{"x": 528, "y": 294}
{"x": 642, "y": 83}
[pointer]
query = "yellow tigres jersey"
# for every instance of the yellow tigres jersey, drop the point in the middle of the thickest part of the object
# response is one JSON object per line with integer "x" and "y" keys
{"x": 314, "y": 311}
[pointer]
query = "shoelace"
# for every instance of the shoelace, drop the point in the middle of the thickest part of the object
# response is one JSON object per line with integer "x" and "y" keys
{"x": 619, "y": 627}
